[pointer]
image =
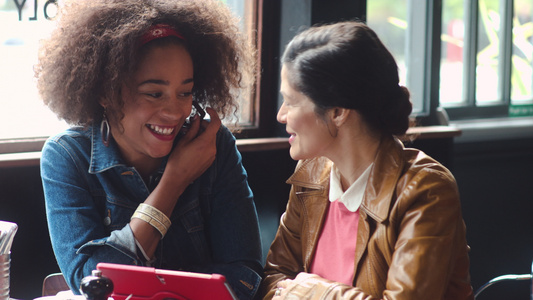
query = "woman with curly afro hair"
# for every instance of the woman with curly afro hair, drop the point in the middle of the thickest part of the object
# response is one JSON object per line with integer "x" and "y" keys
{"x": 138, "y": 179}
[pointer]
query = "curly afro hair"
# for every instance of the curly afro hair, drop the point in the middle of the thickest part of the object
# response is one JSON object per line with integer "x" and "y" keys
{"x": 95, "y": 47}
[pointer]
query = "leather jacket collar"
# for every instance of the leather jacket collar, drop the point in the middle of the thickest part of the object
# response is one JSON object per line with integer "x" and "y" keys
{"x": 313, "y": 175}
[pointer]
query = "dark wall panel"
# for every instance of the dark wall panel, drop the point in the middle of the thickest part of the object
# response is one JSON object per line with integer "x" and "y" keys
{"x": 496, "y": 185}
{"x": 267, "y": 173}
{"x": 32, "y": 258}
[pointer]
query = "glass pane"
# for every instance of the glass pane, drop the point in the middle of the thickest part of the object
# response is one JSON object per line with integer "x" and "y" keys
{"x": 522, "y": 67}
{"x": 487, "y": 87}
{"x": 451, "y": 64}
{"x": 388, "y": 18}
{"x": 244, "y": 10}
{"x": 22, "y": 114}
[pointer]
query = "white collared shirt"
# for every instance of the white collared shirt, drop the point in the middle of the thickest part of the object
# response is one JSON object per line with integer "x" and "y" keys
{"x": 353, "y": 197}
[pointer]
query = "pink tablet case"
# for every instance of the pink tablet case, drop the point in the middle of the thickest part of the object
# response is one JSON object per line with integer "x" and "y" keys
{"x": 146, "y": 283}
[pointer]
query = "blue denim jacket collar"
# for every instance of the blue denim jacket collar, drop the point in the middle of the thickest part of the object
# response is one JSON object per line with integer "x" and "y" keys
{"x": 107, "y": 157}
{"x": 103, "y": 158}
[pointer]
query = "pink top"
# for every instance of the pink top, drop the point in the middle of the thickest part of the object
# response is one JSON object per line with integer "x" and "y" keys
{"x": 335, "y": 253}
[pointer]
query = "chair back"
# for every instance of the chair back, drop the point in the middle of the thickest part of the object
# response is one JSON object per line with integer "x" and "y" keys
{"x": 53, "y": 284}
{"x": 531, "y": 294}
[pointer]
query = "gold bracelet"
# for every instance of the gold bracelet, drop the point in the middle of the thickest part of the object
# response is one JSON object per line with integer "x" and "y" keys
{"x": 154, "y": 213}
{"x": 157, "y": 225}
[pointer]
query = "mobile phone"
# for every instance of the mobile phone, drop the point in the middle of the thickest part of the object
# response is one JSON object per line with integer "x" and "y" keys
{"x": 196, "y": 110}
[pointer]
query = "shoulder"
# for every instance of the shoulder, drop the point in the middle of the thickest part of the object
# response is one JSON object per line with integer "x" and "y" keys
{"x": 405, "y": 178}
{"x": 396, "y": 163}
{"x": 426, "y": 183}
{"x": 426, "y": 191}
{"x": 70, "y": 134}
{"x": 72, "y": 139}
{"x": 227, "y": 154}
{"x": 226, "y": 144}
{"x": 422, "y": 166}
{"x": 224, "y": 135}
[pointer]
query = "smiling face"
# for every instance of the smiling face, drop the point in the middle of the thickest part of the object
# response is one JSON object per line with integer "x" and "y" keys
{"x": 309, "y": 134}
{"x": 157, "y": 102}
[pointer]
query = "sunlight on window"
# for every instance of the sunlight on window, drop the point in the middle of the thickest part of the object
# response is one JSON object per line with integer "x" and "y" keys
{"x": 522, "y": 71}
{"x": 487, "y": 85}
{"x": 398, "y": 29}
{"x": 388, "y": 19}
{"x": 22, "y": 113}
{"x": 244, "y": 10}
{"x": 451, "y": 66}
{"x": 488, "y": 57}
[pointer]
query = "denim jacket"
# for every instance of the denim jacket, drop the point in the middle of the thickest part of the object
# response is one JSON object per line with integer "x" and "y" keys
{"x": 90, "y": 195}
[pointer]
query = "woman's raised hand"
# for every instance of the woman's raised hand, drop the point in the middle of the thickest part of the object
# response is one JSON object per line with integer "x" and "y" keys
{"x": 193, "y": 154}
{"x": 196, "y": 150}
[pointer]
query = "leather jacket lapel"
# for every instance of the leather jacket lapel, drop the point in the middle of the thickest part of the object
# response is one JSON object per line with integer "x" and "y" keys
{"x": 384, "y": 176}
{"x": 312, "y": 180}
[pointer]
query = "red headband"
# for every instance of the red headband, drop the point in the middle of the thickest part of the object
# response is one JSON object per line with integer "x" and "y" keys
{"x": 158, "y": 31}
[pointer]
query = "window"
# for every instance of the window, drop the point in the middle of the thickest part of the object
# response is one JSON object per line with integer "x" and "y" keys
{"x": 22, "y": 114}
{"x": 474, "y": 58}
{"x": 522, "y": 59}
{"x": 390, "y": 23}
{"x": 413, "y": 44}
{"x": 491, "y": 46}
{"x": 247, "y": 11}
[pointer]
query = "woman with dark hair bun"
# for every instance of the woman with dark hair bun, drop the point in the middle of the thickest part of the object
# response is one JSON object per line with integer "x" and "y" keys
{"x": 367, "y": 218}
{"x": 129, "y": 183}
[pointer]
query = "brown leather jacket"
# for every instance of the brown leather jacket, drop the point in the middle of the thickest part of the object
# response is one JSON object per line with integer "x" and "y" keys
{"x": 411, "y": 240}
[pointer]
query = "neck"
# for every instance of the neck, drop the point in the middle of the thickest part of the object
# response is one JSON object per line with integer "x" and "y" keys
{"x": 352, "y": 155}
{"x": 144, "y": 165}
{"x": 147, "y": 168}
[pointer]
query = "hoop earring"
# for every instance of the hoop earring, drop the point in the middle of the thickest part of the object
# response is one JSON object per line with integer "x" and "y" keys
{"x": 104, "y": 129}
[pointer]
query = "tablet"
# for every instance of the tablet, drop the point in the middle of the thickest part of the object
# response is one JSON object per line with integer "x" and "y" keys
{"x": 147, "y": 283}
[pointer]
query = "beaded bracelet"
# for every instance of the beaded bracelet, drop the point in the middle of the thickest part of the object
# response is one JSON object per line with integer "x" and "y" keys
{"x": 154, "y": 217}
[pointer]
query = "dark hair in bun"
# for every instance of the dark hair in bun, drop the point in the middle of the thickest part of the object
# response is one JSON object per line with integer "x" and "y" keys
{"x": 346, "y": 65}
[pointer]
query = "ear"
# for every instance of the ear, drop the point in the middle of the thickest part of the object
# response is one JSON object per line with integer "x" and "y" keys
{"x": 339, "y": 115}
{"x": 102, "y": 103}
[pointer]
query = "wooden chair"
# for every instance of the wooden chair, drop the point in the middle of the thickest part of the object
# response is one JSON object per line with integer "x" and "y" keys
{"x": 53, "y": 284}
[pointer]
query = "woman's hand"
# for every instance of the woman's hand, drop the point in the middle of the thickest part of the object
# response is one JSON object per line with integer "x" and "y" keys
{"x": 193, "y": 154}
{"x": 196, "y": 150}
{"x": 312, "y": 286}
{"x": 285, "y": 286}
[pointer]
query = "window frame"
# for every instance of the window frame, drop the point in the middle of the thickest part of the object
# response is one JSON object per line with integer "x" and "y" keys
{"x": 427, "y": 38}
